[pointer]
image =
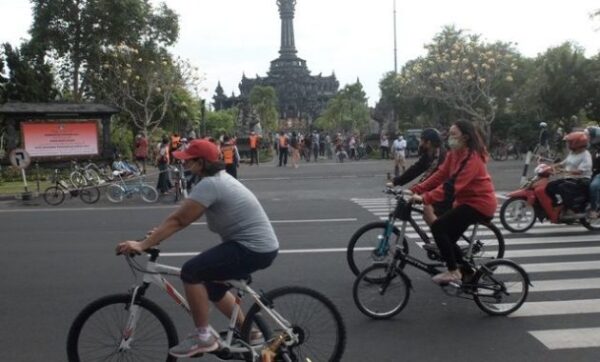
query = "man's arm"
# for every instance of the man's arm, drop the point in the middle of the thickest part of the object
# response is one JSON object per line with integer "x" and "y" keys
{"x": 413, "y": 171}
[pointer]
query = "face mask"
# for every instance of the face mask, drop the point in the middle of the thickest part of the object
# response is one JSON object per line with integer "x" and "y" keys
{"x": 454, "y": 142}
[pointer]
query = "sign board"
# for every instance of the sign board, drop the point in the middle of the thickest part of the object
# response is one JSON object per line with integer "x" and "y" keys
{"x": 19, "y": 158}
{"x": 60, "y": 138}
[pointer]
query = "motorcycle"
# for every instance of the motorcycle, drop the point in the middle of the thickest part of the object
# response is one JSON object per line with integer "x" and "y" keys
{"x": 530, "y": 203}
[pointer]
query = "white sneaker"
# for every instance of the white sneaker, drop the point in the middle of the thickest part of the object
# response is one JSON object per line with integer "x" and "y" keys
{"x": 194, "y": 345}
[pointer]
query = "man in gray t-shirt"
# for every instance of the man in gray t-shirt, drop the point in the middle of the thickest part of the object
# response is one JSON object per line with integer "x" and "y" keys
{"x": 248, "y": 241}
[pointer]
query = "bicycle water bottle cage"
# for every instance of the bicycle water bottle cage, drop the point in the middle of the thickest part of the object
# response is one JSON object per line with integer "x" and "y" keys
{"x": 402, "y": 211}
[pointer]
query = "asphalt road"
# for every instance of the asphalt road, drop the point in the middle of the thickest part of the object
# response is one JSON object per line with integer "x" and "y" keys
{"x": 56, "y": 260}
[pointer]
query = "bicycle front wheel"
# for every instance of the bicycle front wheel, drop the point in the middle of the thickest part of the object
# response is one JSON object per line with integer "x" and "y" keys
{"x": 500, "y": 287}
{"x": 149, "y": 193}
{"x": 115, "y": 193}
{"x": 78, "y": 179}
{"x": 517, "y": 215}
{"x": 367, "y": 246}
{"x": 99, "y": 332}
{"x": 89, "y": 195}
{"x": 313, "y": 318}
{"x": 54, "y": 195}
{"x": 379, "y": 293}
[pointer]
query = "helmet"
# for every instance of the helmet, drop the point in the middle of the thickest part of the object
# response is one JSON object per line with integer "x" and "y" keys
{"x": 576, "y": 140}
{"x": 543, "y": 124}
{"x": 432, "y": 135}
{"x": 543, "y": 170}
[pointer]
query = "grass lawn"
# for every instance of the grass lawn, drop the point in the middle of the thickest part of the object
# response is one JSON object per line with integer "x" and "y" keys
{"x": 16, "y": 187}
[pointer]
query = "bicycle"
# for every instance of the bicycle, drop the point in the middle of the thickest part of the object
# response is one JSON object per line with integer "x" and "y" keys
{"x": 55, "y": 195}
{"x": 498, "y": 287}
{"x": 116, "y": 192}
{"x": 82, "y": 176}
{"x": 379, "y": 246}
{"x": 180, "y": 182}
{"x": 121, "y": 326}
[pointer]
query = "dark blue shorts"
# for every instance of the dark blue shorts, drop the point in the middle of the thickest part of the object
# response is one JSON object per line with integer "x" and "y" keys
{"x": 228, "y": 260}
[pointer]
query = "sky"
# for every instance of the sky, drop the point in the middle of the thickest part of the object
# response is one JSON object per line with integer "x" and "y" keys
{"x": 353, "y": 38}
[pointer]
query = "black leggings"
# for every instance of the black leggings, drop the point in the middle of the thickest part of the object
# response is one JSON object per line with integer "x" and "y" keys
{"x": 448, "y": 228}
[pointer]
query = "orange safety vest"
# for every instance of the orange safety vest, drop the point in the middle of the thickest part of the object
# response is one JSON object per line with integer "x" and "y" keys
{"x": 228, "y": 153}
{"x": 283, "y": 141}
{"x": 253, "y": 140}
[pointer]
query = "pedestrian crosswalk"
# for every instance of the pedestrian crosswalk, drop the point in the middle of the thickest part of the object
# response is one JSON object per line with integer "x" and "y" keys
{"x": 563, "y": 262}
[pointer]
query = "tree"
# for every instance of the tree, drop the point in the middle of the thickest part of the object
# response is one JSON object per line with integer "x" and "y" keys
{"x": 220, "y": 121}
{"x": 464, "y": 73}
{"x": 74, "y": 32}
{"x": 3, "y": 79}
{"x": 264, "y": 101}
{"x": 27, "y": 80}
{"x": 347, "y": 111}
{"x": 142, "y": 83}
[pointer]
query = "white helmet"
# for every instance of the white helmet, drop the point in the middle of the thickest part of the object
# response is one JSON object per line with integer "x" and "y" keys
{"x": 543, "y": 124}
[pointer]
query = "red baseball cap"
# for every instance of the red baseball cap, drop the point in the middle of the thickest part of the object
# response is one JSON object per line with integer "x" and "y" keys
{"x": 199, "y": 149}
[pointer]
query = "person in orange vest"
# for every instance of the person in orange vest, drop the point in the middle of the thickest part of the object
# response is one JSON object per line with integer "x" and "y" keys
{"x": 283, "y": 144}
{"x": 253, "y": 148}
{"x": 230, "y": 155}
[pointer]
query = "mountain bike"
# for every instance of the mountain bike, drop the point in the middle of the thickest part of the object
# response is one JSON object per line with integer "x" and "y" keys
{"x": 117, "y": 191}
{"x": 297, "y": 323}
{"x": 376, "y": 241}
{"x": 55, "y": 195}
{"x": 498, "y": 287}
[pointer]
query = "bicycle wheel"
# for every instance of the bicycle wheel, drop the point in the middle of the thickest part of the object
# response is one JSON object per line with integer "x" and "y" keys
{"x": 364, "y": 246}
{"x": 92, "y": 176}
{"x": 97, "y": 334}
{"x": 89, "y": 195}
{"x": 149, "y": 193}
{"x": 78, "y": 179}
{"x": 482, "y": 242}
{"x": 177, "y": 191}
{"x": 54, "y": 195}
{"x": 590, "y": 224}
{"x": 313, "y": 318}
{"x": 517, "y": 215}
{"x": 379, "y": 293}
{"x": 115, "y": 193}
{"x": 500, "y": 287}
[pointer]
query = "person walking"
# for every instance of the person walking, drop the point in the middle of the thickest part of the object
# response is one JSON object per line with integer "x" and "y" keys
{"x": 141, "y": 152}
{"x": 295, "y": 146}
{"x": 230, "y": 155}
{"x": 384, "y": 146}
{"x": 399, "y": 147}
{"x": 315, "y": 144}
{"x": 283, "y": 144}
{"x": 254, "y": 141}
{"x": 162, "y": 161}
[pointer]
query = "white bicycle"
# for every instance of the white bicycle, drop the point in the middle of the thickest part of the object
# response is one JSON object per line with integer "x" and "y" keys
{"x": 297, "y": 323}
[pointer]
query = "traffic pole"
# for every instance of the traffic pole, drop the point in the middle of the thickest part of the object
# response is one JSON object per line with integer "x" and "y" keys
{"x": 526, "y": 167}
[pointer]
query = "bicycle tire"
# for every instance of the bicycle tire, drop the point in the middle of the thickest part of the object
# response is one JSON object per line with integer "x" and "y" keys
{"x": 54, "y": 195}
{"x": 490, "y": 277}
{"x": 481, "y": 243}
{"x": 113, "y": 330}
{"x": 504, "y": 217}
{"x": 379, "y": 283}
{"x": 590, "y": 224}
{"x": 77, "y": 179}
{"x": 148, "y": 193}
{"x": 89, "y": 195}
{"x": 312, "y": 309}
{"x": 177, "y": 191}
{"x": 92, "y": 176}
{"x": 353, "y": 261}
{"x": 115, "y": 193}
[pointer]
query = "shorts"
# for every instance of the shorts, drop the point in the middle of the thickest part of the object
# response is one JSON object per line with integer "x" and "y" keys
{"x": 228, "y": 260}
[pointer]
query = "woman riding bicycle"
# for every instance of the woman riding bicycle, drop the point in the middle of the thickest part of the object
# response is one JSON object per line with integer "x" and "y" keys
{"x": 232, "y": 211}
{"x": 462, "y": 179}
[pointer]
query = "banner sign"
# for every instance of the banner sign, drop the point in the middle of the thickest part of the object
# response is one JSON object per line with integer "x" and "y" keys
{"x": 60, "y": 138}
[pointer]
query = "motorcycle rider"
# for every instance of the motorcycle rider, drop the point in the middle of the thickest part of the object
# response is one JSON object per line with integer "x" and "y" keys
{"x": 432, "y": 154}
{"x": 576, "y": 170}
{"x": 594, "y": 137}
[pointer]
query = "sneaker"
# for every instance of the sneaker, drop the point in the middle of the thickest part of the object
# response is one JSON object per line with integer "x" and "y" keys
{"x": 447, "y": 277}
{"x": 193, "y": 345}
{"x": 256, "y": 337}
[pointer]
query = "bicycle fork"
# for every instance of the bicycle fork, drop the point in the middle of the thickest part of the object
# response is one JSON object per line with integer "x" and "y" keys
{"x": 127, "y": 335}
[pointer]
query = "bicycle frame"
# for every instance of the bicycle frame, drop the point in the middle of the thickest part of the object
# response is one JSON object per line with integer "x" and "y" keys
{"x": 153, "y": 274}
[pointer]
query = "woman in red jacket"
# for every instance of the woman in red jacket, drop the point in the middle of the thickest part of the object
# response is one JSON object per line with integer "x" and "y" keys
{"x": 473, "y": 199}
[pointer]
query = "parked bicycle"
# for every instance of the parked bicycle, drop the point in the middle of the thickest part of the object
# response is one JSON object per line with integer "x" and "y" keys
{"x": 297, "y": 323}
{"x": 498, "y": 287}
{"x": 81, "y": 176}
{"x": 179, "y": 181}
{"x": 376, "y": 241}
{"x": 55, "y": 195}
{"x": 119, "y": 190}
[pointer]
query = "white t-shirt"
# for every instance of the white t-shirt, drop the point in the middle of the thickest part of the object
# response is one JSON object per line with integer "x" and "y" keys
{"x": 399, "y": 146}
{"x": 579, "y": 162}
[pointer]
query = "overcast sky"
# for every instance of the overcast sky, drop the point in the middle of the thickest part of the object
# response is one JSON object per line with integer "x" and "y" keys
{"x": 354, "y": 38}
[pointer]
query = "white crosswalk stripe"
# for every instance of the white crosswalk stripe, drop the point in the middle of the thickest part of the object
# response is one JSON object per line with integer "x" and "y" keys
{"x": 547, "y": 248}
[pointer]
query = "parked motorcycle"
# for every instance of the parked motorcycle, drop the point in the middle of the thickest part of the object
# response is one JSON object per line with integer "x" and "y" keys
{"x": 530, "y": 203}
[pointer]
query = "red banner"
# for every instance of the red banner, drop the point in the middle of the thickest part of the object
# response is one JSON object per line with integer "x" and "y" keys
{"x": 68, "y": 138}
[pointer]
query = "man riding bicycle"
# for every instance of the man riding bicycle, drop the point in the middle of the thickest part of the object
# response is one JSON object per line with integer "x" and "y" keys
{"x": 248, "y": 243}
{"x": 432, "y": 154}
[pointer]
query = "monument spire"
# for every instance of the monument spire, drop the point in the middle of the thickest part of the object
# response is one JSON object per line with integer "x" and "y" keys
{"x": 286, "y": 13}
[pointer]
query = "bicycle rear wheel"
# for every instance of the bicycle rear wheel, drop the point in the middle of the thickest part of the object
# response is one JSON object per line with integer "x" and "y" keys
{"x": 379, "y": 293}
{"x": 54, "y": 195}
{"x": 115, "y": 193}
{"x": 500, "y": 287}
{"x": 313, "y": 318}
{"x": 89, "y": 195}
{"x": 149, "y": 193}
{"x": 98, "y": 332}
{"x": 78, "y": 179}
{"x": 365, "y": 247}
{"x": 487, "y": 236}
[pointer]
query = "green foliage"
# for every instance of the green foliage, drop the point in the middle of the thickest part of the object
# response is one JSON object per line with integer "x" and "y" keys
{"x": 30, "y": 79}
{"x": 220, "y": 122}
{"x": 264, "y": 101}
{"x": 347, "y": 111}
{"x": 122, "y": 138}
